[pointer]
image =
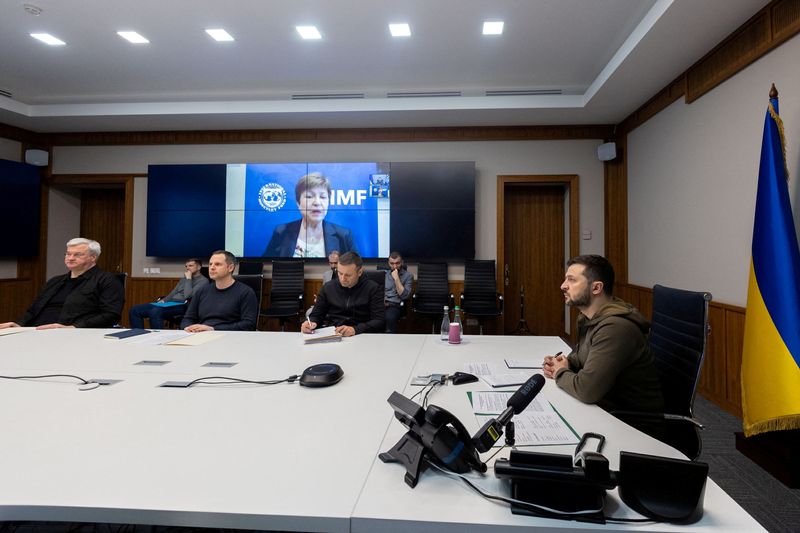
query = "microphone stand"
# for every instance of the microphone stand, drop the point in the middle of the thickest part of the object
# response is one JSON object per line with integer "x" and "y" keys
{"x": 522, "y": 325}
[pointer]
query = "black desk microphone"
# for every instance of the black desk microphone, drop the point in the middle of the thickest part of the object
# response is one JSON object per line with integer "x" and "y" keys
{"x": 492, "y": 430}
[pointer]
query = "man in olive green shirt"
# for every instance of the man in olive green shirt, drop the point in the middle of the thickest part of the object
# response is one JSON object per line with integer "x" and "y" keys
{"x": 611, "y": 365}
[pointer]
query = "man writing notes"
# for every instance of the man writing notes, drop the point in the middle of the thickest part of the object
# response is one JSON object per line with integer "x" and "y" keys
{"x": 611, "y": 365}
{"x": 224, "y": 304}
{"x": 84, "y": 297}
{"x": 397, "y": 289}
{"x": 349, "y": 301}
{"x": 174, "y": 303}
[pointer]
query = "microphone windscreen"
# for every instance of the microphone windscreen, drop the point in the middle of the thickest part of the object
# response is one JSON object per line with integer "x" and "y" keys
{"x": 526, "y": 393}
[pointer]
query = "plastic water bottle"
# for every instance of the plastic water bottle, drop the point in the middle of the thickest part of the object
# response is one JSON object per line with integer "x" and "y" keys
{"x": 457, "y": 320}
{"x": 445, "y": 333}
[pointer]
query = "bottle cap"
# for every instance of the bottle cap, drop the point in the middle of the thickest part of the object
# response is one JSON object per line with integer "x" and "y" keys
{"x": 446, "y": 308}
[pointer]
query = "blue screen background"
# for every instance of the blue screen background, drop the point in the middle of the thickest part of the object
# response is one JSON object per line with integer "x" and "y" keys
{"x": 346, "y": 180}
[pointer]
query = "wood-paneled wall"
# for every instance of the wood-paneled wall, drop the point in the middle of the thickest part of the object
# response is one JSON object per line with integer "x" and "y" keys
{"x": 16, "y": 295}
{"x": 720, "y": 379}
{"x": 142, "y": 290}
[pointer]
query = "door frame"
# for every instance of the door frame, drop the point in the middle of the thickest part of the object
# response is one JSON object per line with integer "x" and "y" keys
{"x": 78, "y": 180}
{"x": 570, "y": 181}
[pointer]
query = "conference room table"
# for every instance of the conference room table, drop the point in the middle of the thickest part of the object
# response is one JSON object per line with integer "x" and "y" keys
{"x": 278, "y": 457}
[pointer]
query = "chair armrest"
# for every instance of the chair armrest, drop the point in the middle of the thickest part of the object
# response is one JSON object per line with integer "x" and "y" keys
{"x": 657, "y": 416}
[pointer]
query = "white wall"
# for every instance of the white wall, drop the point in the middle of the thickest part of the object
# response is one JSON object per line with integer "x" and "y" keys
{"x": 9, "y": 150}
{"x": 492, "y": 159}
{"x": 692, "y": 174}
{"x": 63, "y": 224}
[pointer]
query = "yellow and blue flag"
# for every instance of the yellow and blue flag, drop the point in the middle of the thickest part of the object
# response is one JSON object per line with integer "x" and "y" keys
{"x": 771, "y": 353}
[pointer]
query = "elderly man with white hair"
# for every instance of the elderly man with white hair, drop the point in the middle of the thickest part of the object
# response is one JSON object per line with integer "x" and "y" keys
{"x": 84, "y": 297}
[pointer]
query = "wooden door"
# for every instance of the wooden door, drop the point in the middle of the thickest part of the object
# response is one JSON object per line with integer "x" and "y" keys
{"x": 537, "y": 233}
{"x": 103, "y": 219}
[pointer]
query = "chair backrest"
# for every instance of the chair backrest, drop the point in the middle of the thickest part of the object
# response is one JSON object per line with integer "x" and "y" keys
{"x": 678, "y": 342}
{"x": 253, "y": 281}
{"x": 204, "y": 272}
{"x": 433, "y": 292}
{"x": 247, "y": 268}
{"x": 480, "y": 288}
{"x": 287, "y": 284}
{"x": 123, "y": 278}
{"x": 378, "y": 276}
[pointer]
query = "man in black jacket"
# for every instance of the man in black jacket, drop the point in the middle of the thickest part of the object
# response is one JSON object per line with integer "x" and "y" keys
{"x": 85, "y": 297}
{"x": 350, "y": 302}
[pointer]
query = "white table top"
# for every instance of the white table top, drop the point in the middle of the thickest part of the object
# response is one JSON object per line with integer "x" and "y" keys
{"x": 441, "y": 503}
{"x": 279, "y": 457}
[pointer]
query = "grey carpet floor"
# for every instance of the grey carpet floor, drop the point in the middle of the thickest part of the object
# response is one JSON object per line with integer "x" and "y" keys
{"x": 769, "y": 501}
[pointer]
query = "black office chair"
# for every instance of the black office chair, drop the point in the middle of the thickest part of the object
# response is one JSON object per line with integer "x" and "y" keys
{"x": 378, "y": 276}
{"x": 286, "y": 295}
{"x": 480, "y": 298}
{"x": 123, "y": 278}
{"x": 433, "y": 292}
{"x": 255, "y": 282}
{"x": 251, "y": 268}
{"x": 678, "y": 335}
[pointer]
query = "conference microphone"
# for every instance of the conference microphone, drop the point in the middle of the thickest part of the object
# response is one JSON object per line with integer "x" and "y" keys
{"x": 492, "y": 430}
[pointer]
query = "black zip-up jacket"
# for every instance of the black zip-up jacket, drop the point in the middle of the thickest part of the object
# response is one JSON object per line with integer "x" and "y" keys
{"x": 360, "y": 306}
{"x": 95, "y": 303}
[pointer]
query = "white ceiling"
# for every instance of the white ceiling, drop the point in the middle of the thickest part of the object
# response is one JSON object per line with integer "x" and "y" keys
{"x": 604, "y": 57}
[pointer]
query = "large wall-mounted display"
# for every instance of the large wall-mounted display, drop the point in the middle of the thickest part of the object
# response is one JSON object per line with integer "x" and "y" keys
{"x": 19, "y": 208}
{"x": 304, "y": 210}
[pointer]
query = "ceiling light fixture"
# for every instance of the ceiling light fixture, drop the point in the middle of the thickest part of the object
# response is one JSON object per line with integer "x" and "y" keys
{"x": 220, "y": 35}
{"x": 308, "y": 32}
{"x": 48, "y": 39}
{"x": 493, "y": 27}
{"x": 132, "y": 37}
{"x": 400, "y": 30}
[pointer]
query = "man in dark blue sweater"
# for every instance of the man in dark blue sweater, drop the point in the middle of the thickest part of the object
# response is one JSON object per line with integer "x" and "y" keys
{"x": 349, "y": 301}
{"x": 224, "y": 304}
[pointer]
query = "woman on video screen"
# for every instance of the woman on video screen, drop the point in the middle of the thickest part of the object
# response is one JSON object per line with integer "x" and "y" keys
{"x": 311, "y": 236}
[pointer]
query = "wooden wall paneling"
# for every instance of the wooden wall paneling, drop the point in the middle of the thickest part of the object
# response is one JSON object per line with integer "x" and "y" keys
{"x": 737, "y": 51}
{"x": 616, "y": 210}
{"x": 734, "y": 330}
{"x": 16, "y": 295}
{"x": 784, "y": 20}
{"x": 713, "y": 378}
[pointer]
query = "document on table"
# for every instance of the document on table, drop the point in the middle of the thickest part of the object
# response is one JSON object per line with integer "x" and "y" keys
{"x": 195, "y": 339}
{"x": 538, "y": 425}
{"x": 322, "y": 335}
{"x": 524, "y": 363}
{"x": 12, "y": 331}
{"x": 175, "y": 338}
{"x": 496, "y": 375}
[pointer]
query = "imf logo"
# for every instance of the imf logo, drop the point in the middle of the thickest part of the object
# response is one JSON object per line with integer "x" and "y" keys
{"x": 272, "y": 197}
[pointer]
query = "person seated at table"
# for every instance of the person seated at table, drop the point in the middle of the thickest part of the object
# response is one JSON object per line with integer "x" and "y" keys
{"x": 611, "y": 365}
{"x": 333, "y": 262}
{"x": 225, "y": 304}
{"x": 397, "y": 289}
{"x": 84, "y": 297}
{"x": 351, "y": 302}
{"x": 174, "y": 303}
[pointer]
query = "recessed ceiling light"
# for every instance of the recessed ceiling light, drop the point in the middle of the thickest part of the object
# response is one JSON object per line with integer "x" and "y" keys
{"x": 400, "y": 30}
{"x": 493, "y": 27}
{"x": 308, "y": 32}
{"x": 133, "y": 37}
{"x": 220, "y": 35}
{"x": 48, "y": 39}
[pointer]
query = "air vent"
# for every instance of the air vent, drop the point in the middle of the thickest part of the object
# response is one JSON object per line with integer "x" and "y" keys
{"x": 422, "y": 94}
{"x": 523, "y": 92}
{"x": 6, "y": 93}
{"x": 330, "y": 96}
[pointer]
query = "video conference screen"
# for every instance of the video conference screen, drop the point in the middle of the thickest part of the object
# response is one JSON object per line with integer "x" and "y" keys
{"x": 19, "y": 208}
{"x": 306, "y": 210}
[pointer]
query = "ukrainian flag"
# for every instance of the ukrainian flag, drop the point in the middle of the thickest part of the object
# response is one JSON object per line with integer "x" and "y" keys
{"x": 771, "y": 354}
